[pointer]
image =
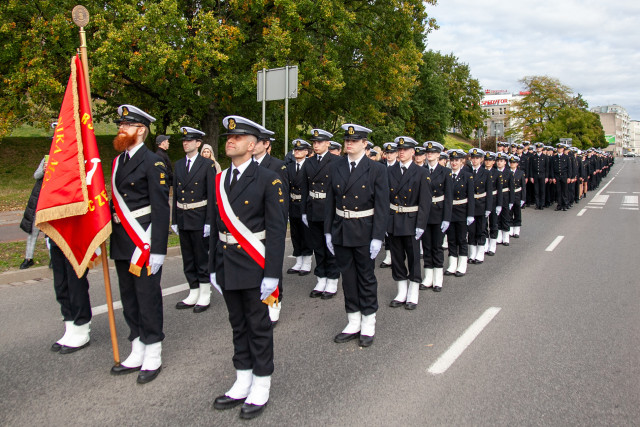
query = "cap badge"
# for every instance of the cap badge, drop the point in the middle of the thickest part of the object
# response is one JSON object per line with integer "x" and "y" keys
{"x": 430, "y": 145}
{"x": 298, "y": 144}
{"x": 125, "y": 111}
{"x": 184, "y": 131}
{"x": 351, "y": 130}
{"x": 232, "y": 124}
{"x": 316, "y": 133}
{"x": 401, "y": 141}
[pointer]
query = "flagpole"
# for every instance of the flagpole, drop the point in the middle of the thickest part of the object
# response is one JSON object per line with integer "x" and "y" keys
{"x": 81, "y": 19}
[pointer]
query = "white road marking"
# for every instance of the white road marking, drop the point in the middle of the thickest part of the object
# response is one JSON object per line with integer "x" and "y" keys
{"x": 582, "y": 211}
{"x": 630, "y": 200}
{"x": 603, "y": 188}
{"x": 555, "y": 243}
{"x": 594, "y": 207}
{"x": 630, "y": 209}
{"x": 599, "y": 199}
{"x": 460, "y": 345}
{"x": 101, "y": 309}
{"x": 617, "y": 192}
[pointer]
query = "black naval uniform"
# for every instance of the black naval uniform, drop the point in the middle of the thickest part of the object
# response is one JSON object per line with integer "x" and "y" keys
{"x": 539, "y": 171}
{"x": 408, "y": 189}
{"x": 463, "y": 206}
{"x": 508, "y": 195}
{"x": 72, "y": 293}
{"x": 519, "y": 194}
{"x": 142, "y": 182}
{"x": 363, "y": 189}
{"x": 167, "y": 161}
{"x": 442, "y": 199}
{"x": 300, "y": 234}
{"x": 561, "y": 172}
{"x": 314, "y": 198}
{"x": 483, "y": 186}
{"x": 190, "y": 189}
{"x": 496, "y": 200}
{"x": 256, "y": 199}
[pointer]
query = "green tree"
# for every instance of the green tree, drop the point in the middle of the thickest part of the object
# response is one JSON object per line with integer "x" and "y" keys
{"x": 583, "y": 126}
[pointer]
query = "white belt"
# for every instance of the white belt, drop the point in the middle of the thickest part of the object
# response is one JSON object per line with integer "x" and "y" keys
{"x": 504, "y": 190}
{"x": 460, "y": 202}
{"x": 228, "y": 238}
{"x": 189, "y": 206}
{"x": 296, "y": 196}
{"x": 352, "y": 214}
{"x": 517, "y": 190}
{"x": 404, "y": 209}
{"x": 479, "y": 196}
{"x": 317, "y": 195}
{"x": 141, "y": 212}
{"x": 437, "y": 199}
{"x": 494, "y": 192}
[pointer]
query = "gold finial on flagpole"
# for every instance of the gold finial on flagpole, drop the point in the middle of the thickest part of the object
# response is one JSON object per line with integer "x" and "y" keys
{"x": 80, "y": 16}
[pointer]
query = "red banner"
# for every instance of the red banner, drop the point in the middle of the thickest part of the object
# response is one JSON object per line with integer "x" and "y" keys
{"x": 73, "y": 207}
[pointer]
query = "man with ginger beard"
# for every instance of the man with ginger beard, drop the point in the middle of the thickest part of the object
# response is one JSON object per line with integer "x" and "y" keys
{"x": 140, "y": 211}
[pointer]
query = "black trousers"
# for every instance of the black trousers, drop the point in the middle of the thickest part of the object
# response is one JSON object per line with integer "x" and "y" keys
{"x": 300, "y": 237}
{"x": 405, "y": 248}
{"x": 457, "y": 238}
{"x": 252, "y": 331}
{"x": 504, "y": 219}
{"x": 571, "y": 187}
{"x": 72, "y": 292}
{"x": 530, "y": 193}
{"x": 141, "y": 303}
{"x": 432, "y": 250}
{"x": 562, "y": 192}
{"x": 477, "y": 228}
{"x": 326, "y": 265}
{"x": 550, "y": 192}
{"x": 539, "y": 187}
{"x": 195, "y": 257}
{"x": 492, "y": 227}
{"x": 516, "y": 214}
{"x": 359, "y": 282}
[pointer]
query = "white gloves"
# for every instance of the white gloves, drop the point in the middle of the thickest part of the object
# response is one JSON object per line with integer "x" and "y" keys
{"x": 48, "y": 243}
{"x": 174, "y": 227}
{"x": 470, "y": 220}
{"x": 212, "y": 279}
{"x": 305, "y": 221}
{"x": 419, "y": 232}
{"x": 268, "y": 285}
{"x": 498, "y": 210}
{"x": 521, "y": 203}
{"x": 487, "y": 213}
{"x": 207, "y": 230}
{"x": 155, "y": 262}
{"x": 444, "y": 226}
{"x": 327, "y": 238}
{"x": 374, "y": 248}
{"x": 510, "y": 206}
{"x": 115, "y": 218}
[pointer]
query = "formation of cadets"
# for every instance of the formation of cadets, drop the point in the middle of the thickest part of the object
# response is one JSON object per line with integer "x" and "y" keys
{"x": 342, "y": 207}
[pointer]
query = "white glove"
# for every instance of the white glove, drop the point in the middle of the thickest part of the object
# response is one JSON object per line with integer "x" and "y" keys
{"x": 374, "y": 248}
{"x": 498, "y": 210}
{"x": 174, "y": 227}
{"x": 115, "y": 218}
{"x": 268, "y": 285}
{"x": 48, "y": 243}
{"x": 305, "y": 221}
{"x": 419, "y": 232}
{"x": 444, "y": 226}
{"x": 487, "y": 213}
{"x": 212, "y": 279}
{"x": 327, "y": 238}
{"x": 521, "y": 203}
{"x": 510, "y": 206}
{"x": 470, "y": 220}
{"x": 155, "y": 262}
{"x": 207, "y": 230}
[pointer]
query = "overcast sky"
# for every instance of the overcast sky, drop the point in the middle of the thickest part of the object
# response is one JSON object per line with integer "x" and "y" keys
{"x": 591, "y": 46}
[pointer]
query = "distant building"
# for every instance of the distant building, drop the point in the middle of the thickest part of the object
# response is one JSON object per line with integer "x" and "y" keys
{"x": 616, "y": 123}
{"x": 497, "y": 104}
{"x": 634, "y": 144}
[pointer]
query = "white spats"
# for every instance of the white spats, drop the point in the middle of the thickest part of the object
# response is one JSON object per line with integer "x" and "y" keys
{"x": 152, "y": 356}
{"x": 368, "y": 325}
{"x": 353, "y": 327}
{"x": 453, "y": 264}
{"x": 67, "y": 332}
{"x": 192, "y": 298}
{"x": 137, "y": 354}
{"x": 274, "y": 311}
{"x": 387, "y": 258}
{"x": 413, "y": 293}
{"x": 78, "y": 335}
{"x": 305, "y": 266}
{"x": 332, "y": 286}
{"x": 505, "y": 237}
{"x": 493, "y": 243}
{"x": 438, "y": 277}
{"x": 259, "y": 394}
{"x": 298, "y": 263}
{"x": 204, "y": 297}
{"x": 480, "y": 254}
{"x": 499, "y": 239}
{"x": 240, "y": 389}
{"x": 321, "y": 285}
{"x": 462, "y": 265}
{"x": 428, "y": 277}
{"x": 402, "y": 291}
{"x": 473, "y": 250}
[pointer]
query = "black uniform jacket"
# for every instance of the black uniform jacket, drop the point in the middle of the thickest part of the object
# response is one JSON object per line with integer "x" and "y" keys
{"x": 256, "y": 199}
{"x": 561, "y": 166}
{"x": 441, "y": 185}
{"x": 278, "y": 166}
{"x": 193, "y": 187}
{"x": 496, "y": 186}
{"x": 365, "y": 188}
{"x": 463, "y": 189}
{"x": 142, "y": 182}
{"x": 519, "y": 183}
{"x": 538, "y": 166}
{"x": 317, "y": 179}
{"x": 296, "y": 182}
{"x": 409, "y": 189}
{"x": 481, "y": 184}
{"x": 506, "y": 181}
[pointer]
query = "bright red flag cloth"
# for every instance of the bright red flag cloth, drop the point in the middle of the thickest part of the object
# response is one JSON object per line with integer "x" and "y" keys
{"x": 73, "y": 207}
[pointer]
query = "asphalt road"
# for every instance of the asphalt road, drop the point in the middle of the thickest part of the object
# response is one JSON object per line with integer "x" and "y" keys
{"x": 561, "y": 350}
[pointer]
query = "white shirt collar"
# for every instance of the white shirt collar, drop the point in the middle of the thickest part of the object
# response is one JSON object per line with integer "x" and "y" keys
{"x": 243, "y": 167}
{"x": 406, "y": 165}
{"x": 356, "y": 160}
{"x": 193, "y": 159}
{"x": 259, "y": 160}
{"x": 301, "y": 161}
{"x": 134, "y": 150}
{"x": 391, "y": 164}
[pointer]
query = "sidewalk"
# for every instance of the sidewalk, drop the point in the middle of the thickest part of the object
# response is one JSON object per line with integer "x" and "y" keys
{"x": 10, "y": 226}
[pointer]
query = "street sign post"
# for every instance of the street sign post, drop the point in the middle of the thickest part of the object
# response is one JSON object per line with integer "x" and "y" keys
{"x": 275, "y": 84}
{"x": 567, "y": 141}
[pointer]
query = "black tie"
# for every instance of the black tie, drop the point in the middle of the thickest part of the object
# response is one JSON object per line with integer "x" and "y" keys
{"x": 234, "y": 179}
{"x": 188, "y": 164}
{"x": 126, "y": 157}
{"x": 475, "y": 171}
{"x": 403, "y": 169}
{"x": 319, "y": 159}
{"x": 353, "y": 166}
{"x": 430, "y": 170}
{"x": 297, "y": 167}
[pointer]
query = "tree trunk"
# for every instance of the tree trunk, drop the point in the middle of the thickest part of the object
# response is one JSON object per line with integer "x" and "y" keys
{"x": 211, "y": 124}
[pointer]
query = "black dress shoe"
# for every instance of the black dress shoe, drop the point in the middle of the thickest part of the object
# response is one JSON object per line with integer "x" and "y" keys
{"x": 564, "y": 209}
{"x": 121, "y": 369}
{"x": 458, "y": 274}
{"x": 471, "y": 261}
{"x": 26, "y": 264}
{"x": 477, "y": 262}
{"x": 424, "y": 287}
{"x": 292, "y": 271}
{"x": 516, "y": 236}
{"x": 558, "y": 208}
{"x": 148, "y": 376}
{"x": 410, "y": 306}
{"x": 201, "y": 308}
{"x": 55, "y": 347}
{"x": 327, "y": 295}
{"x": 365, "y": 341}
{"x": 342, "y": 337}
{"x": 396, "y": 304}
{"x": 315, "y": 294}
{"x": 385, "y": 265}
{"x": 505, "y": 243}
{"x": 437, "y": 289}
{"x": 491, "y": 253}
{"x": 303, "y": 273}
{"x": 448, "y": 273}
{"x": 68, "y": 350}
{"x": 183, "y": 306}
{"x": 226, "y": 402}
{"x": 249, "y": 410}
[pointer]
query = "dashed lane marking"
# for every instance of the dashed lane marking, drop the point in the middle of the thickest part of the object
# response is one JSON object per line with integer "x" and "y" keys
{"x": 582, "y": 211}
{"x": 555, "y": 243}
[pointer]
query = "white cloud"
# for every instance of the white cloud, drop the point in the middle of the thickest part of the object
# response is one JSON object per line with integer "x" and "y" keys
{"x": 591, "y": 46}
